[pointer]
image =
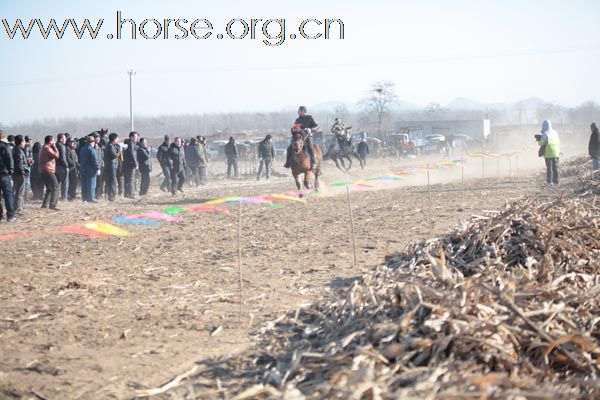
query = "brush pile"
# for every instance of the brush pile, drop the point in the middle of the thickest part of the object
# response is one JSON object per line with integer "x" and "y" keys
{"x": 506, "y": 306}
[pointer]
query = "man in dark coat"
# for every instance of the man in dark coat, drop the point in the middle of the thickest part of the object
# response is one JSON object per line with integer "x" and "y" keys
{"x": 6, "y": 171}
{"x": 130, "y": 164}
{"x": 192, "y": 159}
{"x": 73, "y": 161}
{"x": 111, "y": 164}
{"x": 62, "y": 167}
{"x": 594, "y": 148}
{"x": 232, "y": 155}
{"x": 99, "y": 178}
{"x": 177, "y": 165}
{"x": 266, "y": 154}
{"x": 21, "y": 171}
{"x": 363, "y": 151}
{"x": 145, "y": 163}
{"x": 162, "y": 156}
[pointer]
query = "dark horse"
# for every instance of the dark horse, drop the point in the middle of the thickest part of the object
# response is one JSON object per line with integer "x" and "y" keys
{"x": 340, "y": 153}
{"x": 301, "y": 162}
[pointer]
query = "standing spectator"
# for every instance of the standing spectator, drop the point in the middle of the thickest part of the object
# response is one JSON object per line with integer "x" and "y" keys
{"x": 6, "y": 170}
{"x": 162, "y": 155}
{"x": 48, "y": 156}
{"x": 11, "y": 142}
{"x": 232, "y": 154}
{"x": 21, "y": 171}
{"x": 363, "y": 151}
{"x": 594, "y": 148}
{"x": 120, "y": 174}
{"x": 130, "y": 164}
{"x": 550, "y": 143}
{"x": 73, "y": 161}
{"x": 145, "y": 163}
{"x": 29, "y": 158}
{"x": 177, "y": 164}
{"x": 62, "y": 166}
{"x": 100, "y": 153}
{"x": 89, "y": 169}
{"x": 37, "y": 185}
{"x": 192, "y": 159}
{"x": 266, "y": 155}
{"x": 111, "y": 165}
{"x": 203, "y": 159}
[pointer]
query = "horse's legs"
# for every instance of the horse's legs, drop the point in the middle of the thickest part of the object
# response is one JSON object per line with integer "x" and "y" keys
{"x": 317, "y": 173}
{"x": 298, "y": 184}
{"x": 307, "y": 179}
{"x": 350, "y": 163}
{"x": 335, "y": 159}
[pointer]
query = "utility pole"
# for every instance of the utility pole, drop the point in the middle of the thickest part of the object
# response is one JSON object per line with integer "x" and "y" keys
{"x": 130, "y": 73}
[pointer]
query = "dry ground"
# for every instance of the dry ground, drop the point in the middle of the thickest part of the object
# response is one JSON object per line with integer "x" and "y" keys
{"x": 99, "y": 318}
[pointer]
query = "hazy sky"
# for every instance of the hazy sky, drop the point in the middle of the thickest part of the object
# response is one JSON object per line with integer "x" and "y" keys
{"x": 489, "y": 51}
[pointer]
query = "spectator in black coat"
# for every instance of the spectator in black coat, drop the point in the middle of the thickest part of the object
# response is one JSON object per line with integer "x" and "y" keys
{"x": 232, "y": 155}
{"x": 37, "y": 185}
{"x": 162, "y": 155}
{"x": 62, "y": 167}
{"x": 73, "y": 161}
{"x": 6, "y": 171}
{"x": 130, "y": 164}
{"x": 145, "y": 163}
{"x": 594, "y": 148}
{"x": 177, "y": 165}
{"x": 111, "y": 166}
{"x": 21, "y": 171}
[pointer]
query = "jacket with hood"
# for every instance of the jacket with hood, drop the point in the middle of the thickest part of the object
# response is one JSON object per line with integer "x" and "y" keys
{"x": 550, "y": 139}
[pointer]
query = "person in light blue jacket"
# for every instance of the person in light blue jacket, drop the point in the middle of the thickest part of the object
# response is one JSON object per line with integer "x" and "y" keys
{"x": 89, "y": 168}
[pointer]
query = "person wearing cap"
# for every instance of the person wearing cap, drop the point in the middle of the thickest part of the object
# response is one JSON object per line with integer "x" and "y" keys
{"x": 89, "y": 169}
{"x": 6, "y": 171}
{"x": 203, "y": 159}
{"x": 232, "y": 154}
{"x": 266, "y": 154}
{"x": 47, "y": 168}
{"x": 162, "y": 155}
{"x": 304, "y": 122}
{"x": 111, "y": 165}
{"x": 339, "y": 130}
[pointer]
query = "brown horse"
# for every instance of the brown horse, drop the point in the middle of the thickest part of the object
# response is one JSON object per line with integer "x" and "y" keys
{"x": 301, "y": 163}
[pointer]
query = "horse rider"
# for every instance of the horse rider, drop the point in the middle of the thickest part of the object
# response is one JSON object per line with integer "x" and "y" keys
{"x": 339, "y": 130}
{"x": 304, "y": 123}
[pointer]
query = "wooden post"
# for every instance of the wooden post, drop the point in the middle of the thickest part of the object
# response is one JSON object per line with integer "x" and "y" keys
{"x": 429, "y": 203}
{"x": 240, "y": 258}
{"x": 352, "y": 225}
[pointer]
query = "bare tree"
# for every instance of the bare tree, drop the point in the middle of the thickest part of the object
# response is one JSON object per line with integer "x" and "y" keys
{"x": 379, "y": 98}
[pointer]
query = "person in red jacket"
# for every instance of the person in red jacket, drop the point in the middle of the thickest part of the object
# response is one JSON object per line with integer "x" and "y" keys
{"x": 48, "y": 156}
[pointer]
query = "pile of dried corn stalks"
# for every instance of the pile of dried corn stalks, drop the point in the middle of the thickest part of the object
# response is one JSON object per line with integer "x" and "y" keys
{"x": 506, "y": 306}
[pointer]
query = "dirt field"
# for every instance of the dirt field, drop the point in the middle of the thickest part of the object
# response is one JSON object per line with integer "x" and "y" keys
{"x": 96, "y": 318}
